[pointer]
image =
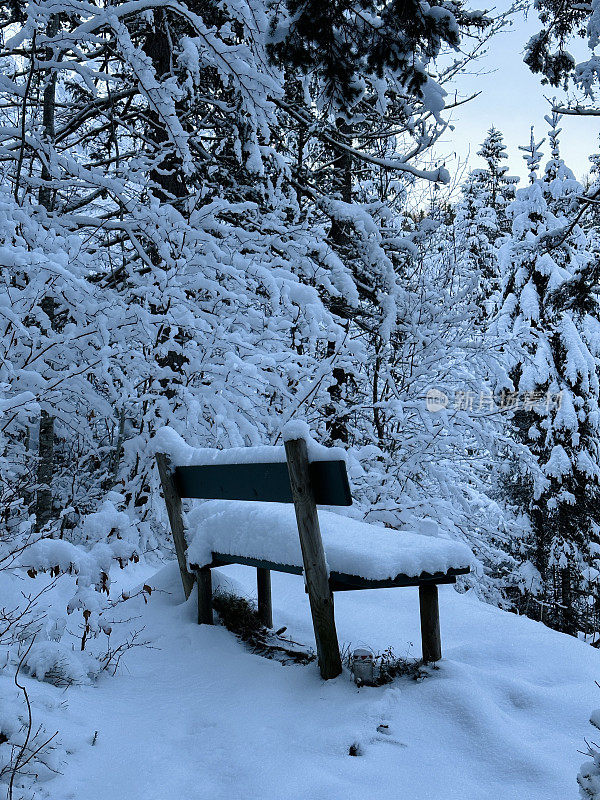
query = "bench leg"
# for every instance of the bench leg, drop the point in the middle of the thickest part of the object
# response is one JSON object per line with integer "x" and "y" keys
{"x": 316, "y": 575}
{"x": 263, "y": 585}
{"x": 430, "y": 622}
{"x": 205, "y": 610}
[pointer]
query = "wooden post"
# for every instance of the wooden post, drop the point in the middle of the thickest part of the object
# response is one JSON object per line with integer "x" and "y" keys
{"x": 205, "y": 610}
{"x": 315, "y": 567}
{"x": 263, "y": 585}
{"x": 173, "y": 503}
{"x": 430, "y": 622}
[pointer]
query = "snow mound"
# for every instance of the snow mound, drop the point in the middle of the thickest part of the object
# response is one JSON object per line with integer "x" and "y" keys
{"x": 268, "y": 531}
{"x": 57, "y": 663}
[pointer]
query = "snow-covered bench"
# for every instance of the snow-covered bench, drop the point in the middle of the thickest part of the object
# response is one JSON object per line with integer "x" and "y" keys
{"x": 249, "y": 519}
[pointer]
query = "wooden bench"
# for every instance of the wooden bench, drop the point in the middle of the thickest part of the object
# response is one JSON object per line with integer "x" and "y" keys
{"x": 305, "y": 484}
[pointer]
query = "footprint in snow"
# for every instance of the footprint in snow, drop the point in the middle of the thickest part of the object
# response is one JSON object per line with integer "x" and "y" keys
{"x": 384, "y": 734}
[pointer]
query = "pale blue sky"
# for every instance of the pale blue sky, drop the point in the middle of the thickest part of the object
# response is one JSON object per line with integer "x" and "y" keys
{"x": 512, "y": 100}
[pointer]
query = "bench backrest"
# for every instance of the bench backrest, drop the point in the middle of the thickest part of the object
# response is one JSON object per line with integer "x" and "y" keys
{"x": 269, "y": 482}
{"x": 298, "y": 481}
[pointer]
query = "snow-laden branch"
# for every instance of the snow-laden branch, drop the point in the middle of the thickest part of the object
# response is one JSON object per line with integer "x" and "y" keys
{"x": 439, "y": 175}
{"x": 577, "y": 111}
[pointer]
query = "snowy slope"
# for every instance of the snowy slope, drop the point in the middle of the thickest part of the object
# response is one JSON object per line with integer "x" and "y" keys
{"x": 199, "y": 717}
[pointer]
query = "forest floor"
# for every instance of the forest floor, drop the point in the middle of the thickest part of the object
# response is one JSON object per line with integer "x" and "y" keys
{"x": 197, "y": 716}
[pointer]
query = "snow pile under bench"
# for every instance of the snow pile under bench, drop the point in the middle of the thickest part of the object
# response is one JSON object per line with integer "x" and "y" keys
{"x": 264, "y": 534}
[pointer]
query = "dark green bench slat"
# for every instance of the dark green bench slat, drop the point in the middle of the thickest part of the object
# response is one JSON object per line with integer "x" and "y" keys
{"x": 340, "y": 581}
{"x": 222, "y": 560}
{"x": 267, "y": 482}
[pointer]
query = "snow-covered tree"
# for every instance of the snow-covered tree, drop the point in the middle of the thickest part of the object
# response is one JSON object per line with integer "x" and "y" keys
{"x": 559, "y": 184}
{"x": 479, "y": 222}
{"x": 499, "y": 184}
{"x": 476, "y": 227}
{"x": 533, "y": 156}
{"x": 549, "y": 318}
{"x": 547, "y": 51}
{"x": 589, "y": 774}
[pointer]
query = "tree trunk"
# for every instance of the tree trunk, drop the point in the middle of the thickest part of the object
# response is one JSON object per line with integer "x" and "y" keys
{"x": 45, "y": 470}
{"x": 118, "y": 452}
{"x": 43, "y": 505}
{"x": 45, "y": 197}
{"x": 569, "y": 618}
{"x": 167, "y": 177}
{"x": 168, "y": 181}
{"x": 341, "y": 236}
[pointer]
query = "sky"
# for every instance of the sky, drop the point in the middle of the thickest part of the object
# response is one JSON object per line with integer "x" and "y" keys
{"x": 512, "y": 99}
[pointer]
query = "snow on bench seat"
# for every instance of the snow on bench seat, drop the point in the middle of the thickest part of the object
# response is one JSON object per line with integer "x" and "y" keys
{"x": 268, "y": 531}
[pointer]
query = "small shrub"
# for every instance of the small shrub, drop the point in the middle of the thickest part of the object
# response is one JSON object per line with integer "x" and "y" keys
{"x": 240, "y": 616}
{"x": 389, "y": 666}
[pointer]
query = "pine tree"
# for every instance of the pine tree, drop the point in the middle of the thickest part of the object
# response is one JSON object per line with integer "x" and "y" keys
{"x": 546, "y": 52}
{"x": 481, "y": 221}
{"x": 551, "y": 318}
{"x": 500, "y": 186}
{"x": 533, "y": 156}
{"x": 476, "y": 226}
{"x": 560, "y": 187}
{"x": 401, "y": 38}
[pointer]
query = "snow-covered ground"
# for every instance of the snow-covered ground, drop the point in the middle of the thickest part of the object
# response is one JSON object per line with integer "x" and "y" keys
{"x": 198, "y": 716}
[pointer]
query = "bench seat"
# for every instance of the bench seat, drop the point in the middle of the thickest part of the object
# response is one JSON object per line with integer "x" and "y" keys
{"x": 359, "y": 555}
